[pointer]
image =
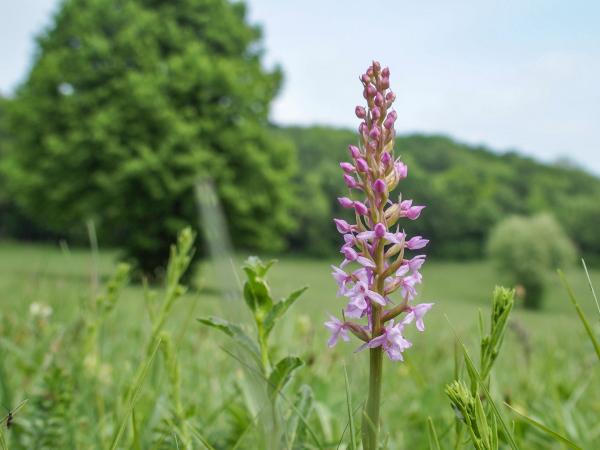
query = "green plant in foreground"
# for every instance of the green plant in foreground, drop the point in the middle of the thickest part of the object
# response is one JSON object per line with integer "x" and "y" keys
{"x": 472, "y": 403}
{"x": 257, "y": 356}
{"x": 179, "y": 261}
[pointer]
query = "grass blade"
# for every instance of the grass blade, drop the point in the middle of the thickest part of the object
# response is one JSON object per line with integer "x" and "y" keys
{"x": 434, "y": 443}
{"x": 587, "y": 274}
{"x": 200, "y": 438}
{"x": 544, "y": 428}
{"x": 350, "y": 411}
{"x": 135, "y": 391}
{"x": 584, "y": 321}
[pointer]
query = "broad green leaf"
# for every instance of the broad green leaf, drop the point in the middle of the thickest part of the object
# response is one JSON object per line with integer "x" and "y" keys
{"x": 234, "y": 332}
{"x": 256, "y": 290}
{"x": 257, "y": 295}
{"x": 544, "y": 428}
{"x": 280, "y": 308}
{"x": 282, "y": 373}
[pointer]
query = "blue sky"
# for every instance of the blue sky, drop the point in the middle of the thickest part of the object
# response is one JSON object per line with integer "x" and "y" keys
{"x": 519, "y": 75}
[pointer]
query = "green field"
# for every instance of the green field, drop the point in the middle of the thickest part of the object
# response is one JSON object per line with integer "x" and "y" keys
{"x": 547, "y": 369}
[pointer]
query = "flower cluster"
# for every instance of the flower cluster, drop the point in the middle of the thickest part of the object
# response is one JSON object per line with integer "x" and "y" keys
{"x": 375, "y": 246}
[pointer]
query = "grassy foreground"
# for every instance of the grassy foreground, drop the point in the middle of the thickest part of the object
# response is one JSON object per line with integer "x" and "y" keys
{"x": 547, "y": 369}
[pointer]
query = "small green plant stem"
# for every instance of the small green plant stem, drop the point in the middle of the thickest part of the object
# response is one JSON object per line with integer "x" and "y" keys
{"x": 370, "y": 422}
{"x": 264, "y": 351}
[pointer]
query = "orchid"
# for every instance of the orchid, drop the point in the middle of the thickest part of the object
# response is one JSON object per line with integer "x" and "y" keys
{"x": 338, "y": 330}
{"x": 377, "y": 244}
{"x": 392, "y": 341}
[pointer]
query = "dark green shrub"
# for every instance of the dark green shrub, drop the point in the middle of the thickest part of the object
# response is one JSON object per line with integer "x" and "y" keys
{"x": 526, "y": 249}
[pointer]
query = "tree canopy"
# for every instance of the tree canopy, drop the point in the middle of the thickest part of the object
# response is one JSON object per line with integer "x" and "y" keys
{"x": 129, "y": 103}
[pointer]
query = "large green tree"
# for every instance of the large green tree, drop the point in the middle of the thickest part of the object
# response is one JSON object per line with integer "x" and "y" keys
{"x": 129, "y": 103}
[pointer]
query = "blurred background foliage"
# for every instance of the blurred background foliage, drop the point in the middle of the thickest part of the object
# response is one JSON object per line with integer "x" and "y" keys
{"x": 129, "y": 103}
{"x": 527, "y": 250}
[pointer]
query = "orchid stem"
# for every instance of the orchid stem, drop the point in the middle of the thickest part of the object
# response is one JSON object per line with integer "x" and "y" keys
{"x": 370, "y": 422}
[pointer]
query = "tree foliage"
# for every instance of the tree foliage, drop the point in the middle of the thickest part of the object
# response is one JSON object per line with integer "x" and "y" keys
{"x": 467, "y": 190}
{"x": 129, "y": 103}
{"x": 527, "y": 249}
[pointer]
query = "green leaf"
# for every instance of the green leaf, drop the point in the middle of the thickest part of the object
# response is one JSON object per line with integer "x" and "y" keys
{"x": 472, "y": 370}
{"x": 303, "y": 407}
{"x": 255, "y": 266}
{"x": 282, "y": 373}
{"x": 256, "y": 290}
{"x": 234, "y": 332}
{"x": 544, "y": 428}
{"x": 280, "y": 308}
{"x": 481, "y": 421}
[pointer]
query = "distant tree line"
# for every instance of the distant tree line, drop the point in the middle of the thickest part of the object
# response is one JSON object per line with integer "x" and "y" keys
{"x": 467, "y": 190}
{"x": 129, "y": 103}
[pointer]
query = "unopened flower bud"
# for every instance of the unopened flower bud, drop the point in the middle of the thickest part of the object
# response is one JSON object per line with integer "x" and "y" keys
{"x": 389, "y": 121}
{"x": 354, "y": 151}
{"x": 350, "y": 181}
{"x": 379, "y": 99}
{"x": 371, "y": 91}
{"x": 363, "y": 128}
{"x": 347, "y": 167}
{"x": 376, "y": 66}
{"x": 370, "y": 71}
{"x": 390, "y": 96}
{"x": 384, "y": 83}
{"x": 361, "y": 208}
{"x": 379, "y": 186}
{"x": 342, "y": 226}
{"x": 360, "y": 112}
{"x": 385, "y": 73}
{"x": 362, "y": 165}
{"x": 375, "y": 113}
{"x": 345, "y": 202}
{"x": 386, "y": 158}
{"x": 374, "y": 133}
{"x": 365, "y": 78}
{"x": 379, "y": 230}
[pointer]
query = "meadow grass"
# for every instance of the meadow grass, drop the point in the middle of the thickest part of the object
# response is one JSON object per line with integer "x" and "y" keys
{"x": 547, "y": 368}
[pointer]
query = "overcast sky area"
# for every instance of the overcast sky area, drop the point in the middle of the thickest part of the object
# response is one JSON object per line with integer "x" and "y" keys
{"x": 521, "y": 75}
